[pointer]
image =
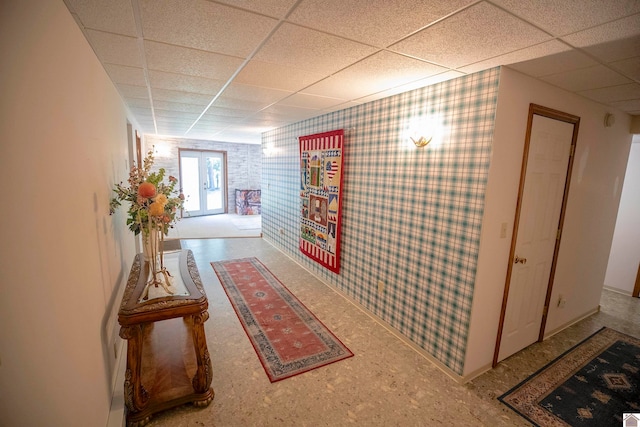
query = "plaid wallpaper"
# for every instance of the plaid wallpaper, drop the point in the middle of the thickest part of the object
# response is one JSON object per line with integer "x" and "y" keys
{"x": 411, "y": 216}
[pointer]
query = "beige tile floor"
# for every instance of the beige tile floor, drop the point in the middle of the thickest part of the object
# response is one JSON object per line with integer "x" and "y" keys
{"x": 386, "y": 383}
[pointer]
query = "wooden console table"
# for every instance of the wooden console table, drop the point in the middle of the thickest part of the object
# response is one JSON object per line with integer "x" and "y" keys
{"x": 168, "y": 361}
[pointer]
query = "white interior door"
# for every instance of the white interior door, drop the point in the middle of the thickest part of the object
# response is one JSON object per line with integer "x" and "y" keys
{"x": 203, "y": 178}
{"x": 537, "y": 234}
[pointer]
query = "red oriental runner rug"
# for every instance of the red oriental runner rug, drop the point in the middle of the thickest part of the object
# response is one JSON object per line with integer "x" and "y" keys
{"x": 287, "y": 337}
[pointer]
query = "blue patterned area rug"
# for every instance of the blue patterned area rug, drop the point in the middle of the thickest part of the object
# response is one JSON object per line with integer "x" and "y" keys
{"x": 591, "y": 385}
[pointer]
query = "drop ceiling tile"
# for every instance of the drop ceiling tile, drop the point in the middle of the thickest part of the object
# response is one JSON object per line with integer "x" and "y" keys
{"x": 253, "y": 127}
{"x": 311, "y": 101}
{"x": 448, "y": 75}
{"x": 554, "y": 63}
{"x": 317, "y": 49}
{"x": 249, "y": 127}
{"x": 171, "y": 114}
{"x": 127, "y": 75}
{"x": 113, "y": 16}
{"x": 276, "y": 114}
{"x": 343, "y": 88}
{"x": 181, "y": 97}
{"x": 528, "y": 55}
{"x": 295, "y": 113}
{"x": 184, "y": 83}
{"x": 227, "y": 135}
{"x": 147, "y": 123}
{"x": 586, "y": 78}
{"x": 130, "y": 91}
{"x": 138, "y": 102}
{"x": 470, "y": 36}
{"x": 217, "y": 112}
{"x": 193, "y": 62}
{"x": 246, "y": 137}
{"x": 629, "y": 67}
{"x": 612, "y": 41}
{"x": 619, "y": 29}
{"x": 265, "y": 74}
{"x": 247, "y": 105}
{"x": 274, "y": 8}
{"x": 219, "y": 120}
{"x": 381, "y": 71}
{"x": 568, "y": 16}
{"x": 142, "y": 113}
{"x": 255, "y": 93}
{"x": 177, "y": 106}
{"x": 616, "y": 50}
{"x": 267, "y": 116}
{"x": 204, "y": 25}
{"x": 171, "y": 128}
{"x": 375, "y": 22}
{"x": 115, "y": 49}
{"x": 613, "y": 93}
{"x": 146, "y": 127}
{"x": 267, "y": 124}
{"x": 343, "y": 106}
{"x": 631, "y": 106}
{"x": 214, "y": 121}
{"x": 306, "y": 49}
{"x": 182, "y": 126}
{"x": 206, "y": 128}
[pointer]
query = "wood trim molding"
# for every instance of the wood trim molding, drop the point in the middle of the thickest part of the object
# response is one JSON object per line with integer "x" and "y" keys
{"x": 575, "y": 120}
{"x": 636, "y": 289}
{"x": 138, "y": 150}
{"x": 540, "y": 110}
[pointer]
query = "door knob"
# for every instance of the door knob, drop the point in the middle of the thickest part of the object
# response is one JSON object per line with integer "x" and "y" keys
{"x": 519, "y": 260}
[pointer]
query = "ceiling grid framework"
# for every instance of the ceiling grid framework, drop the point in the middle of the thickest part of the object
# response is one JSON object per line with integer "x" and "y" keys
{"x": 229, "y": 70}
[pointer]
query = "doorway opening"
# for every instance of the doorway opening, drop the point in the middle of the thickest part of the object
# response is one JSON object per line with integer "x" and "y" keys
{"x": 203, "y": 175}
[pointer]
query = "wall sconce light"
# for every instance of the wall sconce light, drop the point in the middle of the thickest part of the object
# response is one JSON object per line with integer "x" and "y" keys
{"x": 269, "y": 149}
{"x": 421, "y": 130}
{"x": 421, "y": 142}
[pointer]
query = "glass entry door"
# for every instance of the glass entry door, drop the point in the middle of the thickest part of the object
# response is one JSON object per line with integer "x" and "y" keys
{"x": 203, "y": 177}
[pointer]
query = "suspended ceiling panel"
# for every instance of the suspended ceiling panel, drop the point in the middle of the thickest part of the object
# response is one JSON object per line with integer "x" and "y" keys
{"x": 230, "y": 70}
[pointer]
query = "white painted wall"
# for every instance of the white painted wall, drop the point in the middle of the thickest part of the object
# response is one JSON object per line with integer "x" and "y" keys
{"x": 625, "y": 250}
{"x": 596, "y": 183}
{"x": 63, "y": 142}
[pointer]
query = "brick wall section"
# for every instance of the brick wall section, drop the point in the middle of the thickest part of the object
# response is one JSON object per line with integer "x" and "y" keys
{"x": 244, "y": 161}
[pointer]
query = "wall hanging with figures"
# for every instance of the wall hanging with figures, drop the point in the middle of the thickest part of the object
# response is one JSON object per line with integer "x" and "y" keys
{"x": 321, "y": 171}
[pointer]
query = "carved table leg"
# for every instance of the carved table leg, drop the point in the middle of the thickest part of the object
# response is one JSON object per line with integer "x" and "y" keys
{"x": 135, "y": 395}
{"x": 202, "y": 380}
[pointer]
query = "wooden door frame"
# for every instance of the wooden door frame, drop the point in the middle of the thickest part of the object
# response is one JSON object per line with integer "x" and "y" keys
{"x": 636, "y": 288}
{"x": 139, "y": 150}
{"x": 550, "y": 113}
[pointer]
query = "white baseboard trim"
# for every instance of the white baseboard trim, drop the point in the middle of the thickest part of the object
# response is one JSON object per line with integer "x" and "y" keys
{"x": 571, "y": 323}
{"x": 619, "y": 291}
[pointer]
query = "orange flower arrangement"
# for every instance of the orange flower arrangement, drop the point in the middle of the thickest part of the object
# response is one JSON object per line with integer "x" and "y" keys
{"x": 153, "y": 208}
{"x": 149, "y": 197}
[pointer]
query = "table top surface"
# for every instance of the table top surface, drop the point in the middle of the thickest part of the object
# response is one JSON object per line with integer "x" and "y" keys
{"x": 189, "y": 296}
